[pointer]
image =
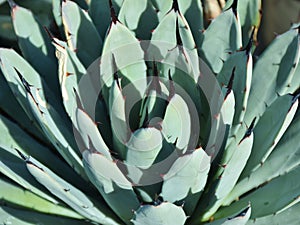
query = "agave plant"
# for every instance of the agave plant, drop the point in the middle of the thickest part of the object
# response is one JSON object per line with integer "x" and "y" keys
{"x": 131, "y": 112}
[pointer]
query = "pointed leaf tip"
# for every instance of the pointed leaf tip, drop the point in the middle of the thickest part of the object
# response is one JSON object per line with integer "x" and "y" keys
{"x": 295, "y": 98}
{"x": 115, "y": 69}
{"x": 50, "y": 35}
{"x": 21, "y": 155}
{"x": 175, "y": 6}
{"x": 230, "y": 83}
{"x": 250, "y": 130}
{"x": 234, "y": 7}
{"x": 114, "y": 18}
{"x": 12, "y": 4}
{"x": 178, "y": 38}
{"x": 241, "y": 214}
{"x": 172, "y": 87}
{"x": 250, "y": 42}
{"x": 24, "y": 82}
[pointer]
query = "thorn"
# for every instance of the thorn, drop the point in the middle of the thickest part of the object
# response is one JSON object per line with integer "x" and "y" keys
{"x": 113, "y": 16}
{"x": 66, "y": 189}
{"x": 295, "y": 98}
{"x": 178, "y": 38}
{"x": 248, "y": 47}
{"x": 24, "y": 82}
{"x": 241, "y": 214}
{"x": 175, "y": 6}
{"x": 31, "y": 163}
{"x": 12, "y": 4}
{"x": 115, "y": 71}
{"x": 175, "y": 142}
{"x": 249, "y": 131}
{"x": 78, "y": 101}
{"x": 230, "y": 83}
{"x": 146, "y": 120}
{"x": 179, "y": 42}
{"x": 155, "y": 79}
{"x": 172, "y": 88}
{"x": 49, "y": 33}
{"x": 234, "y": 7}
{"x": 27, "y": 88}
{"x": 25, "y": 158}
{"x": 69, "y": 74}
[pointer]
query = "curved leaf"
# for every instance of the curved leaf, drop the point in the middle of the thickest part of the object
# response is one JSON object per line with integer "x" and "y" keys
{"x": 81, "y": 34}
{"x": 188, "y": 174}
{"x": 68, "y": 193}
{"x": 222, "y": 37}
{"x": 113, "y": 185}
{"x": 160, "y": 215}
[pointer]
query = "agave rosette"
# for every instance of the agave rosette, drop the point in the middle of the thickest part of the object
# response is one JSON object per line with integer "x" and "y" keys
{"x": 133, "y": 113}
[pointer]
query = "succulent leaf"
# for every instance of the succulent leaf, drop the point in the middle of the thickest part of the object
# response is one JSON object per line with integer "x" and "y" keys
{"x": 161, "y": 214}
{"x": 144, "y": 117}
{"x": 222, "y": 37}
{"x": 81, "y": 33}
{"x": 239, "y": 219}
{"x": 28, "y": 217}
{"x": 131, "y": 15}
{"x": 278, "y": 122}
{"x": 21, "y": 197}
{"x": 262, "y": 199}
{"x": 113, "y": 186}
{"x": 289, "y": 216}
{"x": 100, "y": 14}
{"x": 189, "y": 174}
{"x": 229, "y": 173}
{"x": 239, "y": 65}
{"x": 67, "y": 193}
{"x": 282, "y": 155}
{"x": 278, "y": 62}
{"x": 176, "y": 124}
{"x": 35, "y": 45}
{"x": 32, "y": 98}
